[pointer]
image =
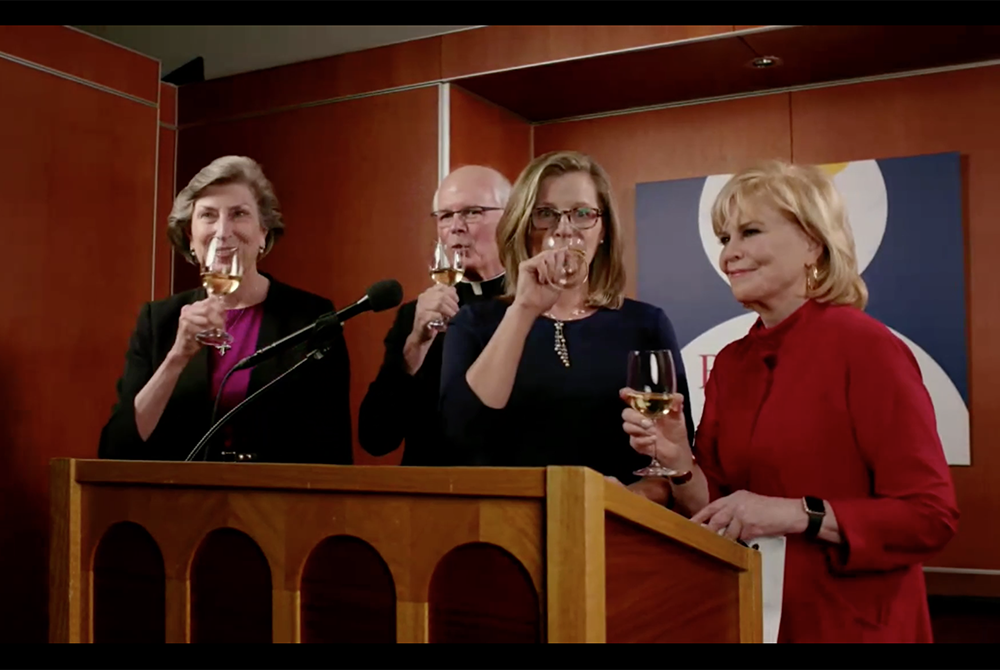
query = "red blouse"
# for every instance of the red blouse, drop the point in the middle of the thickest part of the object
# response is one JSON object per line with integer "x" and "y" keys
{"x": 830, "y": 403}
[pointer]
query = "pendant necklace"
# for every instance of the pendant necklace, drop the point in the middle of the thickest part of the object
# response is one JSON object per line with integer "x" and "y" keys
{"x": 225, "y": 346}
{"x": 560, "y": 344}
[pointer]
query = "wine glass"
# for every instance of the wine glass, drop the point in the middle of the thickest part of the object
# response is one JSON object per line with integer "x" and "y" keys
{"x": 651, "y": 383}
{"x": 574, "y": 269}
{"x": 446, "y": 269}
{"x": 221, "y": 273}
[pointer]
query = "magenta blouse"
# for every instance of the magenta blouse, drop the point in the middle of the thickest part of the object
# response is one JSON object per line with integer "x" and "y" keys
{"x": 244, "y": 326}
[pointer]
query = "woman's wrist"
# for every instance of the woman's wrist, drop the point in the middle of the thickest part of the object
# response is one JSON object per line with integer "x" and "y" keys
{"x": 523, "y": 311}
{"x": 522, "y": 317}
{"x": 682, "y": 465}
{"x": 176, "y": 361}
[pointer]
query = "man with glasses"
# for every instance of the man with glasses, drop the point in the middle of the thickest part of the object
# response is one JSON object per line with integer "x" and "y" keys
{"x": 467, "y": 207}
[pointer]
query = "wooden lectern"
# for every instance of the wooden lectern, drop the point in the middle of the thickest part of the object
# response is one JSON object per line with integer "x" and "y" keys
{"x": 252, "y": 552}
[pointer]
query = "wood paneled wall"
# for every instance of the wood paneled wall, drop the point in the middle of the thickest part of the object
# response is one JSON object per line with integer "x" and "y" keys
{"x": 79, "y": 127}
{"x": 954, "y": 111}
{"x": 483, "y": 134}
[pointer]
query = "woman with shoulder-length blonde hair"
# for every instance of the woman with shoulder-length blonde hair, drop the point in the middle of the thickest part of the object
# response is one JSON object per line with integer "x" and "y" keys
{"x": 533, "y": 378}
{"x": 184, "y": 346}
{"x": 817, "y": 425}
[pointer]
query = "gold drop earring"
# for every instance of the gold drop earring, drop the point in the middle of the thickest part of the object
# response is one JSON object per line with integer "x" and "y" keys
{"x": 812, "y": 278}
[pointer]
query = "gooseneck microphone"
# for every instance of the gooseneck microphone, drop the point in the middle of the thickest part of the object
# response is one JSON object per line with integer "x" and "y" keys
{"x": 381, "y": 296}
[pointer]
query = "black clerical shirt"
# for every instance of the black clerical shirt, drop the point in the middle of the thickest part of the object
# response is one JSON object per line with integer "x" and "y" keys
{"x": 399, "y": 406}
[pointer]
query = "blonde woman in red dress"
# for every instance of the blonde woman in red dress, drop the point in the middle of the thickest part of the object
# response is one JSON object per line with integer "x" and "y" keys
{"x": 817, "y": 425}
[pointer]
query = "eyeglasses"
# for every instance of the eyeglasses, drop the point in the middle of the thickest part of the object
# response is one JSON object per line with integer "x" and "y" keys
{"x": 467, "y": 214}
{"x": 544, "y": 218}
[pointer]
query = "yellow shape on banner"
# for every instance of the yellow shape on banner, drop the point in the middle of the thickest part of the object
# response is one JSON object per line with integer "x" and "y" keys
{"x": 833, "y": 169}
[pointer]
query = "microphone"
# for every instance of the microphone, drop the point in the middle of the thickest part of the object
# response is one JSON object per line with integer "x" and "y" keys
{"x": 381, "y": 296}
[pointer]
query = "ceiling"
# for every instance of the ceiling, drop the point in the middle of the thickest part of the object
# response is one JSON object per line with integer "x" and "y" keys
{"x": 716, "y": 68}
{"x": 229, "y": 50}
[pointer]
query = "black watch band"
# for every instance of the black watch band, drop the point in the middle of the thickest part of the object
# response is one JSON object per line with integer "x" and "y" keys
{"x": 816, "y": 510}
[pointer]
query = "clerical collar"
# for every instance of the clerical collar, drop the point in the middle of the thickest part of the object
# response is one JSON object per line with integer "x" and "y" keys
{"x": 477, "y": 286}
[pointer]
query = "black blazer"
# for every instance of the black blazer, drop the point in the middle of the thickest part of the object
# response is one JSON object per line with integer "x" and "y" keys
{"x": 418, "y": 420}
{"x": 304, "y": 418}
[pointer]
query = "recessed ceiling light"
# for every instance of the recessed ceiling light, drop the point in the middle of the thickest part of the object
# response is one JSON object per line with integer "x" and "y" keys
{"x": 763, "y": 62}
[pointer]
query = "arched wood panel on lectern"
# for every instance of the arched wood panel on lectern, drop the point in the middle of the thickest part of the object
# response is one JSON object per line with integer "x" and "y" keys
{"x": 129, "y": 586}
{"x": 294, "y": 553}
{"x": 347, "y": 594}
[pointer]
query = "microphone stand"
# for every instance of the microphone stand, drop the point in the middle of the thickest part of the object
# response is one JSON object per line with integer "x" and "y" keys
{"x": 218, "y": 396}
{"x": 315, "y": 354}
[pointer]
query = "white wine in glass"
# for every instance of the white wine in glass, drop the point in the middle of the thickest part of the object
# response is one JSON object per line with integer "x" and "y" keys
{"x": 447, "y": 269}
{"x": 221, "y": 274}
{"x": 650, "y": 405}
{"x": 651, "y": 383}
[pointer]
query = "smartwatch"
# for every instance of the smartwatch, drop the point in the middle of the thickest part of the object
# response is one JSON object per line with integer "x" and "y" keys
{"x": 678, "y": 480}
{"x": 816, "y": 510}
{"x": 684, "y": 477}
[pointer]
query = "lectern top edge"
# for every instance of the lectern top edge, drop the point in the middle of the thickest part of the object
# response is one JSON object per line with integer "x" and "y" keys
{"x": 476, "y": 481}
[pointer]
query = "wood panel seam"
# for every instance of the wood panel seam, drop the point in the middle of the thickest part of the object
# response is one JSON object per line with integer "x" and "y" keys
{"x": 307, "y": 105}
{"x": 156, "y": 185}
{"x": 64, "y": 75}
{"x": 173, "y": 192}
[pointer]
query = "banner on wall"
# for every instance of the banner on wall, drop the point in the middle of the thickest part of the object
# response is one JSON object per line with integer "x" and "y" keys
{"x": 906, "y": 215}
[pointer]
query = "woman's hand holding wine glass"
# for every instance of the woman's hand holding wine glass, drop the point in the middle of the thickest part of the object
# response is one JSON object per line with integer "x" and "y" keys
{"x": 536, "y": 292}
{"x": 201, "y": 316}
{"x": 569, "y": 251}
{"x": 221, "y": 274}
{"x": 663, "y": 438}
{"x": 655, "y": 419}
{"x": 561, "y": 265}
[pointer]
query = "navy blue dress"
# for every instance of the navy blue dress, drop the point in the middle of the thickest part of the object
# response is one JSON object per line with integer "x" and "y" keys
{"x": 556, "y": 415}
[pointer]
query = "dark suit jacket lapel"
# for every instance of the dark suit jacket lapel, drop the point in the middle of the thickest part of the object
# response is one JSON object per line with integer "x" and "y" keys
{"x": 272, "y": 328}
{"x": 281, "y": 318}
{"x": 193, "y": 382}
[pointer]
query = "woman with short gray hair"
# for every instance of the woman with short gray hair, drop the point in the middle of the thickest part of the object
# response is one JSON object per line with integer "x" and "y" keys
{"x": 184, "y": 346}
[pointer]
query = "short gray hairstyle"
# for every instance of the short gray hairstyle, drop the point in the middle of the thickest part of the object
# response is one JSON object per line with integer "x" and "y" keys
{"x": 226, "y": 170}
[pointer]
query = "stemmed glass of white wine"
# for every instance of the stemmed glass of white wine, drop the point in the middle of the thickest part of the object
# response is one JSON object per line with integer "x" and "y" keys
{"x": 447, "y": 269}
{"x": 221, "y": 273}
{"x": 651, "y": 383}
{"x": 574, "y": 268}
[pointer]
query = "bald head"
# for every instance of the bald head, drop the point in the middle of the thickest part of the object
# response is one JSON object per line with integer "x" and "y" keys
{"x": 477, "y": 194}
{"x": 474, "y": 181}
